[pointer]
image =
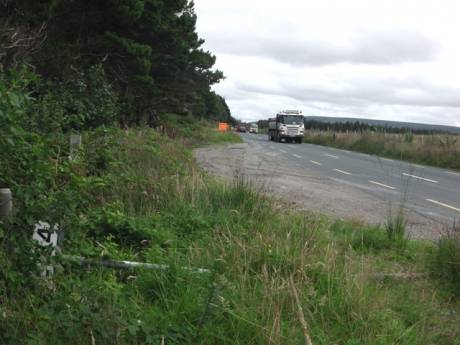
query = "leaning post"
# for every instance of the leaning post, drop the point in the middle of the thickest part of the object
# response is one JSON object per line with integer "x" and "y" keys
{"x": 6, "y": 203}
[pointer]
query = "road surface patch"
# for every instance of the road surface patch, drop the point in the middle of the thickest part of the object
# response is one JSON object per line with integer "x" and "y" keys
{"x": 443, "y": 205}
{"x": 420, "y": 178}
{"x": 382, "y": 185}
{"x": 343, "y": 172}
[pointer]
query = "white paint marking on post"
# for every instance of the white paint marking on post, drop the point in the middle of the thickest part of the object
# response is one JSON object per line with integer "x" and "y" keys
{"x": 443, "y": 204}
{"x": 315, "y": 162}
{"x": 297, "y": 156}
{"x": 420, "y": 178}
{"x": 46, "y": 237}
{"x": 332, "y": 156}
{"x": 343, "y": 172}
{"x": 382, "y": 185}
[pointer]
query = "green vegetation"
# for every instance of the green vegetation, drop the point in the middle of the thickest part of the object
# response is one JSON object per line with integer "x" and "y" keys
{"x": 141, "y": 58}
{"x": 274, "y": 275}
{"x": 138, "y": 195}
{"x": 441, "y": 150}
{"x": 446, "y": 261}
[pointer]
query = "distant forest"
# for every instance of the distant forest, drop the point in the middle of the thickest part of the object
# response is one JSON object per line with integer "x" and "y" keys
{"x": 358, "y": 126}
{"x": 363, "y": 127}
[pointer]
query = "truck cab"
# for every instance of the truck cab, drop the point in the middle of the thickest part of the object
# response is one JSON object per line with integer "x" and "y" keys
{"x": 253, "y": 128}
{"x": 288, "y": 126}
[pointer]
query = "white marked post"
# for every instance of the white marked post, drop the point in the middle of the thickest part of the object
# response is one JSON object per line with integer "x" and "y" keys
{"x": 46, "y": 237}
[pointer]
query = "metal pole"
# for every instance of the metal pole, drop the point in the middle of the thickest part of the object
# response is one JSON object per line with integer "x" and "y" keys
{"x": 6, "y": 203}
{"x": 126, "y": 264}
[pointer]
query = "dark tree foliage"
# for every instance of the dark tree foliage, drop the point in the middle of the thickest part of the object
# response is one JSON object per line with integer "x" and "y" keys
{"x": 149, "y": 50}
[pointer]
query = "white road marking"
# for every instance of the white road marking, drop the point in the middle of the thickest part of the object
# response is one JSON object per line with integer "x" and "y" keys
{"x": 315, "y": 162}
{"x": 283, "y": 151}
{"x": 452, "y": 173}
{"x": 382, "y": 185}
{"x": 342, "y": 172}
{"x": 444, "y": 205}
{"x": 420, "y": 178}
{"x": 386, "y": 159}
{"x": 296, "y": 155}
{"x": 272, "y": 147}
{"x": 332, "y": 156}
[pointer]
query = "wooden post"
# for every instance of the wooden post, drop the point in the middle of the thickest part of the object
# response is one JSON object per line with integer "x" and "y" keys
{"x": 6, "y": 203}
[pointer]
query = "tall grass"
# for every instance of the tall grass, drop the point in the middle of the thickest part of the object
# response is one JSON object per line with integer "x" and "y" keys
{"x": 446, "y": 259}
{"x": 154, "y": 204}
{"x": 442, "y": 150}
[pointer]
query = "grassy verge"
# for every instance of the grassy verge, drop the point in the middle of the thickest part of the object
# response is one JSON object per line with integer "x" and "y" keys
{"x": 272, "y": 269}
{"x": 436, "y": 150}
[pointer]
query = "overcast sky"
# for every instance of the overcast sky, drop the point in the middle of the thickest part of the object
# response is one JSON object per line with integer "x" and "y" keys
{"x": 386, "y": 59}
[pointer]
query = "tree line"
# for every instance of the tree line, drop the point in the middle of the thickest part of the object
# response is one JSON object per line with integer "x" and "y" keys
{"x": 144, "y": 57}
{"x": 358, "y": 126}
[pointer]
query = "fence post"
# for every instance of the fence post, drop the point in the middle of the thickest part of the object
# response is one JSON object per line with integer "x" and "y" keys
{"x": 75, "y": 144}
{"x": 6, "y": 203}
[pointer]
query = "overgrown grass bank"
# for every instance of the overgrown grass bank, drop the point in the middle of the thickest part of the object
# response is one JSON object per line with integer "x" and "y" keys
{"x": 141, "y": 197}
{"x": 441, "y": 150}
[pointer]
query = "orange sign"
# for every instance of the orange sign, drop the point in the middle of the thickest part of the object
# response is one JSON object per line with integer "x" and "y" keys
{"x": 223, "y": 127}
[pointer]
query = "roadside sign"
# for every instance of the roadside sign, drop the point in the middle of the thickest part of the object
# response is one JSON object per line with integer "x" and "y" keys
{"x": 46, "y": 236}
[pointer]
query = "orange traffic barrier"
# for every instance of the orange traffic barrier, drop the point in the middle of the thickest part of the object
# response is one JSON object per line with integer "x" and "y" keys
{"x": 223, "y": 127}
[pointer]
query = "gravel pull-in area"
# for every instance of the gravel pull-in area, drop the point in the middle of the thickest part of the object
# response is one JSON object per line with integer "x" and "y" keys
{"x": 308, "y": 190}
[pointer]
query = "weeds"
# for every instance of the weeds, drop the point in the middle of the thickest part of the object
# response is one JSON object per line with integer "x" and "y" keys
{"x": 395, "y": 228}
{"x": 446, "y": 258}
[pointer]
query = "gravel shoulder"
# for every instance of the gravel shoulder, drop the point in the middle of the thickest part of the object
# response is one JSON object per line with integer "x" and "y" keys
{"x": 306, "y": 189}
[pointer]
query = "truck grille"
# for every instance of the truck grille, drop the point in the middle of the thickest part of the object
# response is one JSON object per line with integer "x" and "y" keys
{"x": 292, "y": 130}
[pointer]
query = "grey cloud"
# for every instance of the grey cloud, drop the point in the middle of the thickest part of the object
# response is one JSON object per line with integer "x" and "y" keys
{"x": 367, "y": 91}
{"x": 376, "y": 48}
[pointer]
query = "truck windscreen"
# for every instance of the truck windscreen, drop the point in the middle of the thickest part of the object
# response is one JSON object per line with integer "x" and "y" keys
{"x": 291, "y": 119}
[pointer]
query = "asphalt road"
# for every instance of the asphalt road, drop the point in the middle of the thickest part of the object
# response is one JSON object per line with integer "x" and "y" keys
{"x": 428, "y": 191}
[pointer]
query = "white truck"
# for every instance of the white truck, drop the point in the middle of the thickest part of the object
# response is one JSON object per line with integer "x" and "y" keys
{"x": 253, "y": 128}
{"x": 288, "y": 126}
